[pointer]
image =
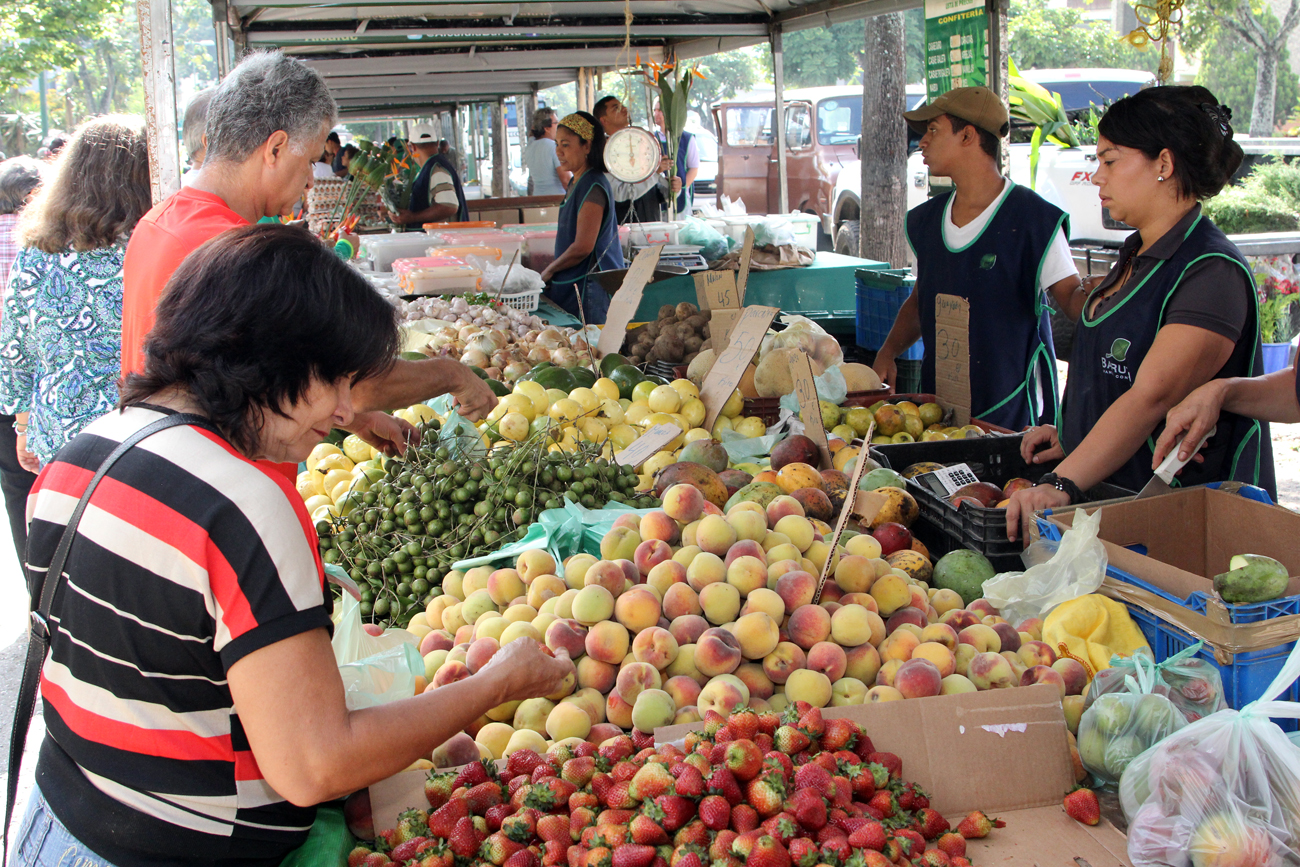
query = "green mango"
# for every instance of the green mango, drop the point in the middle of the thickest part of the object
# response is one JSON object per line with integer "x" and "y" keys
{"x": 1252, "y": 578}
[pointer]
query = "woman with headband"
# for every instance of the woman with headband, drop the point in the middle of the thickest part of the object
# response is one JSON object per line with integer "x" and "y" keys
{"x": 1176, "y": 312}
{"x": 587, "y": 237}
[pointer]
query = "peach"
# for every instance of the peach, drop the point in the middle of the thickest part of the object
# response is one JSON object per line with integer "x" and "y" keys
{"x": 751, "y": 674}
{"x": 796, "y": 590}
{"x": 1073, "y": 707}
{"x": 798, "y": 528}
{"x": 866, "y": 600}
{"x": 982, "y": 608}
{"x": 745, "y": 548}
{"x": 914, "y": 616}
{"x": 686, "y": 554}
{"x": 649, "y": 554}
{"x": 959, "y": 619}
{"x": 778, "y": 702}
{"x": 566, "y": 687}
{"x": 1017, "y": 664}
{"x": 680, "y": 600}
{"x": 747, "y": 574}
{"x": 781, "y": 507}
{"x": 810, "y": 686}
{"x": 438, "y": 639}
{"x": 1074, "y": 675}
{"x": 946, "y": 600}
{"x": 433, "y": 660}
{"x": 785, "y": 551}
{"x": 862, "y": 662}
{"x": 522, "y": 629}
{"x": 757, "y": 633}
{"x": 683, "y": 690}
{"x": 1033, "y": 626}
{"x": 983, "y": 638}
{"x": 828, "y": 658}
{"x": 564, "y": 603}
{"x": 465, "y": 634}
{"x": 618, "y": 711}
{"x": 891, "y": 593}
{"x": 531, "y": 564}
{"x": 855, "y": 574}
{"x": 940, "y": 633}
{"x": 808, "y": 625}
{"x": 851, "y": 625}
{"x": 688, "y": 715}
{"x": 1037, "y": 653}
{"x": 688, "y": 534}
{"x": 864, "y": 545}
{"x": 1044, "y": 674}
{"x": 632, "y": 522}
{"x": 919, "y": 678}
{"x": 480, "y": 652}
{"x": 830, "y": 605}
{"x": 532, "y": 714}
{"x": 774, "y": 539}
{"x": 659, "y": 525}
{"x": 607, "y": 574}
{"x": 687, "y": 628}
{"x": 591, "y": 701}
{"x": 820, "y": 553}
{"x": 963, "y": 655}
{"x": 665, "y": 575}
{"x": 635, "y": 677}
{"x": 710, "y": 509}
{"x": 784, "y": 659}
{"x": 607, "y": 641}
{"x": 684, "y": 665}
{"x": 937, "y": 654}
{"x": 619, "y": 544}
{"x": 898, "y": 645}
{"x": 879, "y": 693}
{"x": 714, "y": 535}
{"x": 504, "y": 585}
{"x": 476, "y": 579}
{"x": 602, "y": 732}
{"x": 568, "y": 721}
{"x": 721, "y": 603}
{"x": 479, "y": 603}
{"x": 593, "y": 604}
{"x": 778, "y": 568}
{"x": 493, "y": 736}
{"x": 748, "y": 506}
{"x": 848, "y": 691}
{"x": 653, "y": 708}
{"x": 457, "y": 653}
{"x": 717, "y": 652}
{"x": 955, "y": 684}
{"x": 723, "y": 693}
{"x": 594, "y": 674}
{"x": 637, "y": 609}
{"x": 767, "y": 601}
{"x": 706, "y": 568}
{"x": 989, "y": 670}
{"x": 1008, "y": 635}
{"x": 683, "y": 503}
{"x": 655, "y": 646}
{"x": 831, "y": 592}
{"x": 748, "y": 526}
{"x": 520, "y": 611}
{"x": 885, "y": 676}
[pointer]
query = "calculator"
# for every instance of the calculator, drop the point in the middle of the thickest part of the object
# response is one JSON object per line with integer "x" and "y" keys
{"x": 946, "y": 482}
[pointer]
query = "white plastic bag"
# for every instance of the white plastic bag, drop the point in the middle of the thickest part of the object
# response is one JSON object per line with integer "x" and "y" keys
{"x": 521, "y": 279}
{"x": 1225, "y": 790}
{"x": 1120, "y": 725}
{"x": 376, "y": 669}
{"x": 1076, "y": 569}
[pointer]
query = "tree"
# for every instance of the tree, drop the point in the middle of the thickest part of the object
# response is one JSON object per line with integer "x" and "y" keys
{"x": 37, "y": 35}
{"x": 728, "y": 74}
{"x": 1229, "y": 70}
{"x": 823, "y": 55}
{"x": 884, "y": 145}
{"x": 1054, "y": 38}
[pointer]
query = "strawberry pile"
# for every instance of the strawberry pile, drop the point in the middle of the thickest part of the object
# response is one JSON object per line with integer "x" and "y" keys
{"x": 756, "y": 789}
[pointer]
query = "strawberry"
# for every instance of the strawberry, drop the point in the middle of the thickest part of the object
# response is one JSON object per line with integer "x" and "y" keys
{"x": 724, "y": 735}
{"x": 676, "y": 810}
{"x": 686, "y": 857}
{"x": 883, "y": 802}
{"x": 579, "y": 820}
{"x": 553, "y": 827}
{"x": 722, "y": 841}
{"x": 743, "y": 818}
{"x": 690, "y": 782}
{"x": 555, "y": 853}
{"x": 408, "y": 850}
{"x": 782, "y": 826}
{"x": 765, "y": 794}
{"x": 767, "y": 852}
{"x": 952, "y": 844}
{"x": 932, "y": 824}
{"x": 960, "y": 861}
{"x": 578, "y": 771}
{"x": 357, "y": 856}
{"x": 723, "y": 782}
{"x": 891, "y": 762}
{"x": 617, "y": 749}
{"x": 376, "y": 859}
{"x": 768, "y": 722}
{"x": 841, "y": 734}
{"x": 915, "y": 843}
{"x": 520, "y": 827}
{"x": 812, "y": 723}
{"x": 977, "y": 825}
{"x": 861, "y": 781}
{"x": 482, "y": 796}
{"x": 498, "y": 813}
{"x": 780, "y": 762}
{"x": 743, "y": 758}
{"x": 614, "y": 817}
{"x": 934, "y": 858}
{"x": 624, "y": 771}
{"x": 561, "y": 790}
{"x": 869, "y": 836}
{"x": 523, "y": 858}
{"x": 601, "y": 784}
{"x": 715, "y": 812}
{"x": 633, "y": 855}
{"x": 745, "y": 723}
{"x": 864, "y": 747}
{"x": 583, "y": 799}
{"x": 791, "y": 740}
{"x": 809, "y": 809}
{"x": 475, "y": 773}
{"x": 641, "y": 739}
{"x": 841, "y": 792}
{"x": 442, "y": 822}
{"x": 497, "y": 848}
{"x": 646, "y": 831}
{"x": 1082, "y": 806}
{"x": 522, "y": 762}
{"x": 693, "y": 833}
{"x": 871, "y": 858}
{"x": 438, "y": 788}
{"x": 650, "y": 782}
{"x": 410, "y": 824}
{"x": 598, "y": 857}
{"x": 827, "y": 761}
{"x": 836, "y": 849}
{"x": 803, "y": 852}
{"x": 465, "y": 839}
{"x": 438, "y": 856}
{"x": 813, "y": 776}
{"x": 619, "y": 797}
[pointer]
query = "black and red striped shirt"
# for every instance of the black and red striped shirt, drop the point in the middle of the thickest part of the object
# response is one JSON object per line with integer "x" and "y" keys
{"x": 188, "y": 557}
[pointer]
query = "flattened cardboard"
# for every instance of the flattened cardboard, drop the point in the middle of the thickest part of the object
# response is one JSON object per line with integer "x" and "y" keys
{"x": 810, "y": 409}
{"x": 623, "y": 307}
{"x": 952, "y": 355}
{"x": 716, "y": 291}
{"x": 848, "y": 508}
{"x": 746, "y": 257}
{"x": 732, "y": 362}
{"x": 645, "y": 446}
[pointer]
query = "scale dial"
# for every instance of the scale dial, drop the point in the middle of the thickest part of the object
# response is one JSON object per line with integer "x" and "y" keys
{"x": 632, "y": 154}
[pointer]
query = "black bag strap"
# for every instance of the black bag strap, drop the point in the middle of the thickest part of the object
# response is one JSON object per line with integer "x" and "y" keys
{"x": 44, "y": 590}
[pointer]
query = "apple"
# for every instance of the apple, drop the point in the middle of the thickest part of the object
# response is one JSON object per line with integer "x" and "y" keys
{"x": 892, "y": 537}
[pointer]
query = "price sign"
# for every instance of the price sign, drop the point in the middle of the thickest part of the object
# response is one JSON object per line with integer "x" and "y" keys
{"x": 720, "y": 298}
{"x": 810, "y": 410}
{"x": 626, "y": 300}
{"x": 850, "y": 502}
{"x": 647, "y": 445}
{"x": 734, "y": 360}
{"x": 952, "y": 355}
{"x": 746, "y": 255}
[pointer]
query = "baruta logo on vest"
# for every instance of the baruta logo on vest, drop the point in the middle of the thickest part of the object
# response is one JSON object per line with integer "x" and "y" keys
{"x": 1113, "y": 362}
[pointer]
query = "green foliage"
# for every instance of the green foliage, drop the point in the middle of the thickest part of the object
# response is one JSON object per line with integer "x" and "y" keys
{"x": 1054, "y": 38}
{"x": 1228, "y": 69}
{"x": 1275, "y": 318}
{"x": 726, "y": 75}
{"x": 824, "y": 55}
{"x": 1031, "y": 102}
{"x": 38, "y": 35}
{"x": 1268, "y": 200}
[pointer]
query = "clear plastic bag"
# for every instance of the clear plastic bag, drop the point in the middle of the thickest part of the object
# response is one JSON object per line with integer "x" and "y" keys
{"x": 1121, "y": 725}
{"x": 713, "y": 244}
{"x": 1191, "y": 683}
{"x": 1075, "y": 569}
{"x": 773, "y": 231}
{"x": 376, "y": 669}
{"x": 802, "y": 333}
{"x": 1223, "y": 791}
{"x": 521, "y": 279}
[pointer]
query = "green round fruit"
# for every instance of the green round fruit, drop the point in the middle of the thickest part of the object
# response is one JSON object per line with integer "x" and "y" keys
{"x": 882, "y": 478}
{"x": 478, "y": 371}
{"x": 556, "y": 377}
{"x": 500, "y": 389}
{"x": 584, "y": 377}
{"x": 610, "y": 363}
{"x": 965, "y": 572}
{"x": 626, "y": 377}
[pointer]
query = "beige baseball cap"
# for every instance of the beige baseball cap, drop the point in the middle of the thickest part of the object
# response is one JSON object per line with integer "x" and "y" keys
{"x": 979, "y": 105}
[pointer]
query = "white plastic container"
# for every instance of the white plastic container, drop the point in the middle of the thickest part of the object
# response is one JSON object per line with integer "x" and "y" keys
{"x": 507, "y": 242}
{"x": 441, "y": 280}
{"x": 647, "y": 234}
{"x": 383, "y": 250}
{"x": 805, "y": 228}
{"x": 735, "y": 226}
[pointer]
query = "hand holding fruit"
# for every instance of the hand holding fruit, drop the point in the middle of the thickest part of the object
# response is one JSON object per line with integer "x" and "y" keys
{"x": 525, "y": 671}
{"x": 474, "y": 399}
{"x": 1032, "y": 446}
{"x": 1023, "y": 504}
{"x": 1198, "y": 412}
{"x": 386, "y": 433}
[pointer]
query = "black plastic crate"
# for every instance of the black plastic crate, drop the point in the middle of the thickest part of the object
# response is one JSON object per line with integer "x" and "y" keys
{"x": 994, "y": 459}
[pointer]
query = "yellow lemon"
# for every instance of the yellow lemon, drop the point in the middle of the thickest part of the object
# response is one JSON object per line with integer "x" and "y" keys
{"x": 623, "y": 435}
{"x": 752, "y": 427}
{"x": 320, "y": 453}
{"x": 657, "y": 462}
{"x": 325, "y": 513}
{"x": 544, "y": 425}
{"x": 625, "y": 403}
{"x": 693, "y": 411}
{"x": 696, "y": 433}
{"x": 586, "y": 398}
{"x": 529, "y": 389}
{"x": 332, "y": 479}
{"x": 310, "y": 484}
{"x": 514, "y": 426}
{"x": 685, "y": 388}
{"x": 522, "y": 404}
{"x": 637, "y": 413}
{"x": 611, "y": 410}
{"x": 642, "y": 390}
{"x": 337, "y": 492}
{"x": 554, "y": 394}
{"x": 645, "y": 482}
{"x": 665, "y": 398}
{"x": 723, "y": 423}
{"x": 565, "y": 409}
{"x": 734, "y": 406}
{"x": 356, "y": 449}
{"x": 339, "y": 461}
{"x": 315, "y": 502}
{"x": 605, "y": 389}
{"x": 421, "y": 412}
{"x": 497, "y": 412}
{"x": 592, "y": 429}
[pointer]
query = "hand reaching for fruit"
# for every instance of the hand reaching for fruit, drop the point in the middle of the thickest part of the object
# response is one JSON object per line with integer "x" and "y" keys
{"x": 474, "y": 399}
{"x": 1023, "y": 504}
{"x": 386, "y": 433}
{"x": 1032, "y": 446}
{"x": 526, "y": 671}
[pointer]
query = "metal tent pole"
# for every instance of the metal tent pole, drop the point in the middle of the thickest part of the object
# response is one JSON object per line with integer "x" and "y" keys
{"x": 778, "y": 121}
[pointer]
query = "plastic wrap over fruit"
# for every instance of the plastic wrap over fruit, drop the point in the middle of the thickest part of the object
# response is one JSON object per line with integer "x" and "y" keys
{"x": 1120, "y": 725}
{"x": 1075, "y": 569}
{"x": 802, "y": 333}
{"x": 1222, "y": 791}
{"x": 1191, "y": 683}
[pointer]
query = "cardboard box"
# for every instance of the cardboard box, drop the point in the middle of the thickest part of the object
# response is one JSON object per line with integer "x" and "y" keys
{"x": 1002, "y": 751}
{"x": 541, "y": 215}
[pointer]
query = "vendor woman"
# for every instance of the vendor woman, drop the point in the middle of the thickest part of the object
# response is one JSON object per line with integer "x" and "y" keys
{"x": 1176, "y": 312}
{"x": 586, "y": 239}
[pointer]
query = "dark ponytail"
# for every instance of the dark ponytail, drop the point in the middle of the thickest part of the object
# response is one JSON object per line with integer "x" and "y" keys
{"x": 1187, "y": 120}
{"x": 596, "y": 156}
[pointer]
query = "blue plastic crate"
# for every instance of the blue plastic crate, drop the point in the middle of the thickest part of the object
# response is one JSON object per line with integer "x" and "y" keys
{"x": 1249, "y": 674}
{"x": 880, "y": 296}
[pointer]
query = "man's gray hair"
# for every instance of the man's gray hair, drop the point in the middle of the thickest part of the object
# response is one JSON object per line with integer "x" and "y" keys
{"x": 265, "y": 93}
{"x": 19, "y": 176}
{"x": 196, "y": 117}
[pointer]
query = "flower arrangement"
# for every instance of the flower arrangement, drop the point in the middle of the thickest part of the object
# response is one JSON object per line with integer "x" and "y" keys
{"x": 1277, "y": 291}
{"x": 674, "y": 99}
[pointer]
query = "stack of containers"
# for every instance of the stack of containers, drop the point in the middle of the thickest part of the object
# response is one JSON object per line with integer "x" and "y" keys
{"x": 436, "y": 275}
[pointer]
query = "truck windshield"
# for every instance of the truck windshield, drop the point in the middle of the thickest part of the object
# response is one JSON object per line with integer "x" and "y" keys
{"x": 749, "y": 125}
{"x": 839, "y": 121}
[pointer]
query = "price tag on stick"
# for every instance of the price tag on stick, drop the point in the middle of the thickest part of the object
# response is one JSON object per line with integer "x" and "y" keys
{"x": 731, "y": 364}
{"x": 847, "y": 509}
{"x": 645, "y": 446}
{"x": 627, "y": 300}
{"x": 810, "y": 410}
{"x": 952, "y": 355}
{"x": 746, "y": 256}
{"x": 718, "y": 289}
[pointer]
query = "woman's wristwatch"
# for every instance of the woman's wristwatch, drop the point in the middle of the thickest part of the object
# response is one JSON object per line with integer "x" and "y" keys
{"x": 1064, "y": 485}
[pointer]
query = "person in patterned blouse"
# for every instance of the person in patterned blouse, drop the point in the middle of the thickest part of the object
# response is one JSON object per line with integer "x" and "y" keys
{"x": 60, "y": 334}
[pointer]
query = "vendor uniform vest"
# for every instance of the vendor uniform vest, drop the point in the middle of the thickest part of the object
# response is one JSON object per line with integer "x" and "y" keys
{"x": 1109, "y": 350}
{"x": 1012, "y": 362}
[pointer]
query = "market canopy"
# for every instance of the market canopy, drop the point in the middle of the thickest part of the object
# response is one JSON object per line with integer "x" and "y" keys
{"x": 390, "y": 56}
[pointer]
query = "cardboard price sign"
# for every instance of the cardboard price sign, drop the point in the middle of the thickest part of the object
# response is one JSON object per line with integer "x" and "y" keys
{"x": 627, "y": 300}
{"x": 718, "y": 295}
{"x": 645, "y": 446}
{"x": 731, "y": 364}
{"x": 810, "y": 410}
{"x": 746, "y": 255}
{"x": 952, "y": 355}
{"x": 851, "y": 500}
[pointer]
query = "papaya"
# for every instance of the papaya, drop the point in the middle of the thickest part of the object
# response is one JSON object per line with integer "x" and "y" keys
{"x": 1251, "y": 578}
{"x": 755, "y": 492}
{"x": 695, "y": 475}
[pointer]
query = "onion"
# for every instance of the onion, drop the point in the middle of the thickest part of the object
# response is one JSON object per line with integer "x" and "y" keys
{"x": 485, "y": 343}
{"x": 474, "y": 357}
{"x": 537, "y": 355}
{"x": 493, "y": 372}
{"x": 516, "y": 369}
{"x": 564, "y": 358}
{"x": 549, "y": 338}
{"x": 500, "y": 359}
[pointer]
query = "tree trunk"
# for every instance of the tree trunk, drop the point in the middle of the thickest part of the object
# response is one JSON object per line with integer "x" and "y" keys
{"x": 884, "y": 142}
{"x": 500, "y": 149}
{"x": 1261, "y": 114}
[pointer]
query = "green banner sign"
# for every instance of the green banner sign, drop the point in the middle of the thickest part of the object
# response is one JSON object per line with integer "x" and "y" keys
{"x": 956, "y": 45}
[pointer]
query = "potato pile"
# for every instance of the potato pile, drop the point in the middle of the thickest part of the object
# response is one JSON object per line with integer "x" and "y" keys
{"x": 676, "y": 337}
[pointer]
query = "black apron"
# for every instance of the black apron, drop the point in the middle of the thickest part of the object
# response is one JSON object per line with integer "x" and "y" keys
{"x": 1109, "y": 350}
{"x": 1012, "y": 361}
{"x": 420, "y": 187}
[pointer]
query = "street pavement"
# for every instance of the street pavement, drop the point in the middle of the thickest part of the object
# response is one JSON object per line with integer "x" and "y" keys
{"x": 13, "y": 650}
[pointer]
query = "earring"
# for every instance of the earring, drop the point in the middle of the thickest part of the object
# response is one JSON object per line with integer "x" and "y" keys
{"x": 1161, "y": 178}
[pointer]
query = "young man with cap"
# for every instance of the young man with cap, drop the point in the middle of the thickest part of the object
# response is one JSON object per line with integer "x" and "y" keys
{"x": 997, "y": 245}
{"x": 436, "y": 194}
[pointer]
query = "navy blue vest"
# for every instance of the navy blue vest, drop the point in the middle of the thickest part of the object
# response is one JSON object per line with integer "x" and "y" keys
{"x": 1012, "y": 362}
{"x": 571, "y": 287}
{"x": 420, "y": 186}
{"x": 682, "y": 147}
{"x": 1109, "y": 350}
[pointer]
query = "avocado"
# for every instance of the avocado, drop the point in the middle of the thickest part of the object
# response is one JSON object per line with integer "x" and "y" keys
{"x": 1252, "y": 578}
{"x": 964, "y": 571}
